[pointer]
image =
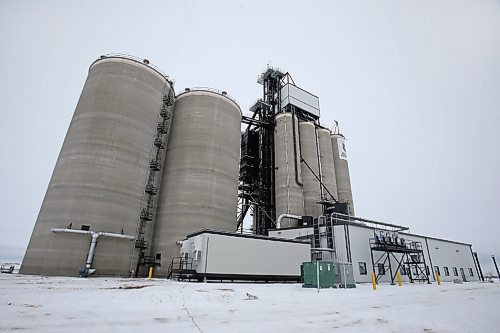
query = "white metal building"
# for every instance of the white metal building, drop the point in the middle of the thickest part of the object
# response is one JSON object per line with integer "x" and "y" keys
{"x": 453, "y": 260}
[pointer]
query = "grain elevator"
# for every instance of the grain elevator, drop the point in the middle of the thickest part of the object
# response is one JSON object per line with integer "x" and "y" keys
{"x": 149, "y": 181}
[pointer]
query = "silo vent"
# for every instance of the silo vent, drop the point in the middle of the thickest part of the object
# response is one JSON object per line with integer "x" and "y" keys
{"x": 224, "y": 93}
{"x": 146, "y": 61}
{"x": 187, "y": 89}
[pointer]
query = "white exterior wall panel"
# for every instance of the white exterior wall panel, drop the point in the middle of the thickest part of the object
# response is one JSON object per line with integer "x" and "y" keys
{"x": 449, "y": 254}
{"x": 302, "y": 99}
{"x": 233, "y": 255}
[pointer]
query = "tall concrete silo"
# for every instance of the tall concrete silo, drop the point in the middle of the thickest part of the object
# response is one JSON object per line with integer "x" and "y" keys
{"x": 287, "y": 177}
{"x": 342, "y": 172}
{"x": 200, "y": 181}
{"x": 99, "y": 179}
{"x": 327, "y": 164}
{"x": 310, "y": 169}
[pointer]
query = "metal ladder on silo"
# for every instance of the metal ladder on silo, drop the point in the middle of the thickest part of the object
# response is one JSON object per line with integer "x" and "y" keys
{"x": 148, "y": 205}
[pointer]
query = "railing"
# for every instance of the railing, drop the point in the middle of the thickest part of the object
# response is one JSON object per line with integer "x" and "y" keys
{"x": 217, "y": 91}
{"x": 136, "y": 59}
{"x": 395, "y": 243}
{"x": 178, "y": 266}
{"x": 343, "y": 218}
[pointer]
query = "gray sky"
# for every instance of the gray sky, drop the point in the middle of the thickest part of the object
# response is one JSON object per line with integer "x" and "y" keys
{"x": 414, "y": 84}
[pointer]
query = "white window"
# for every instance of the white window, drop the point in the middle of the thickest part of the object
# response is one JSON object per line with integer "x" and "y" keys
{"x": 362, "y": 268}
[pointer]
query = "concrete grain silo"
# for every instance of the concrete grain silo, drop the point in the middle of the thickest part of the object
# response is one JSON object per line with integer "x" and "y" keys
{"x": 200, "y": 182}
{"x": 98, "y": 183}
{"x": 288, "y": 177}
{"x": 342, "y": 172}
{"x": 310, "y": 169}
{"x": 327, "y": 164}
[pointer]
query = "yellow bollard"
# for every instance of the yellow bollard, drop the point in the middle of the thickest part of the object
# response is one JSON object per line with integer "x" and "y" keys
{"x": 438, "y": 278}
{"x": 150, "y": 275}
{"x": 374, "y": 281}
{"x": 399, "y": 279}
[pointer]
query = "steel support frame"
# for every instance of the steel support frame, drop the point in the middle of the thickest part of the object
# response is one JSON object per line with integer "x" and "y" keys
{"x": 386, "y": 256}
{"x": 385, "y": 259}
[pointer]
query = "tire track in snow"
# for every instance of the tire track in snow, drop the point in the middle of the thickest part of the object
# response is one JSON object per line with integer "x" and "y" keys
{"x": 187, "y": 311}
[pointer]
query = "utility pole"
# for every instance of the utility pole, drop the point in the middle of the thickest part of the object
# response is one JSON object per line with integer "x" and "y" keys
{"x": 495, "y": 262}
{"x": 478, "y": 266}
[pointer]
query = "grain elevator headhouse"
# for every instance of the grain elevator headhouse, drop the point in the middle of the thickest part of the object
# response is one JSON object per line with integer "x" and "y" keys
{"x": 288, "y": 162}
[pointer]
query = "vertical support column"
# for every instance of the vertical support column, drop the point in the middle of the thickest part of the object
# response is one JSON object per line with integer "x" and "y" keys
{"x": 390, "y": 267}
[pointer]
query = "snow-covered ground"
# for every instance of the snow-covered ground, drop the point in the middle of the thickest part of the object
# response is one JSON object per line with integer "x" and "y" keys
{"x": 57, "y": 304}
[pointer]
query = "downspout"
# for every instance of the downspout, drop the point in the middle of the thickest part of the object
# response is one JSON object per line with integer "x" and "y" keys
{"x": 296, "y": 158}
{"x": 320, "y": 167}
{"x": 90, "y": 256}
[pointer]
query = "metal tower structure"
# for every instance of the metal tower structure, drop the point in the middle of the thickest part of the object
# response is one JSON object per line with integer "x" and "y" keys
{"x": 257, "y": 166}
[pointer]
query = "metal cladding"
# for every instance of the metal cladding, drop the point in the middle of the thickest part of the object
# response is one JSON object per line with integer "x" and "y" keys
{"x": 99, "y": 178}
{"x": 199, "y": 185}
{"x": 288, "y": 178}
{"x": 327, "y": 164}
{"x": 342, "y": 172}
{"x": 310, "y": 169}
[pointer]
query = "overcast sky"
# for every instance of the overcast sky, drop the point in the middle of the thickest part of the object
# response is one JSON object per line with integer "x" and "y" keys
{"x": 415, "y": 86}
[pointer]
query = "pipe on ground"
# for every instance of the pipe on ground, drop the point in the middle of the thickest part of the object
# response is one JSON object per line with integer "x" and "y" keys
{"x": 93, "y": 243}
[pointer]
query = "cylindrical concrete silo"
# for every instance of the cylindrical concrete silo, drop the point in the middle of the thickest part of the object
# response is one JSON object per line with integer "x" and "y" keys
{"x": 310, "y": 169}
{"x": 200, "y": 180}
{"x": 342, "y": 172}
{"x": 327, "y": 164}
{"x": 288, "y": 178}
{"x": 99, "y": 178}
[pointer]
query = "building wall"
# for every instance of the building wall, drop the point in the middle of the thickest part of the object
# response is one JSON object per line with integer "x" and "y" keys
{"x": 448, "y": 254}
{"x": 441, "y": 253}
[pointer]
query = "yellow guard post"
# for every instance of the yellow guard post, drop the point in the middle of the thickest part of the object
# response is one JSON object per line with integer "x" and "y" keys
{"x": 374, "y": 281}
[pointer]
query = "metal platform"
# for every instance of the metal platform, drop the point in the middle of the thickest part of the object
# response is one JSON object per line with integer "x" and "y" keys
{"x": 408, "y": 255}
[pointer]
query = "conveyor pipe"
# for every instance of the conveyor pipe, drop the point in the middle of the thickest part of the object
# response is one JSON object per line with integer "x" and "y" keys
{"x": 290, "y": 216}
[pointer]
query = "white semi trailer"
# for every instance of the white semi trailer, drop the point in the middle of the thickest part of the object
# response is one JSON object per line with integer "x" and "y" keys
{"x": 219, "y": 255}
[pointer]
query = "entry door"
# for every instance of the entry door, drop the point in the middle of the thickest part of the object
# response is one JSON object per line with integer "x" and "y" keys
{"x": 463, "y": 274}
